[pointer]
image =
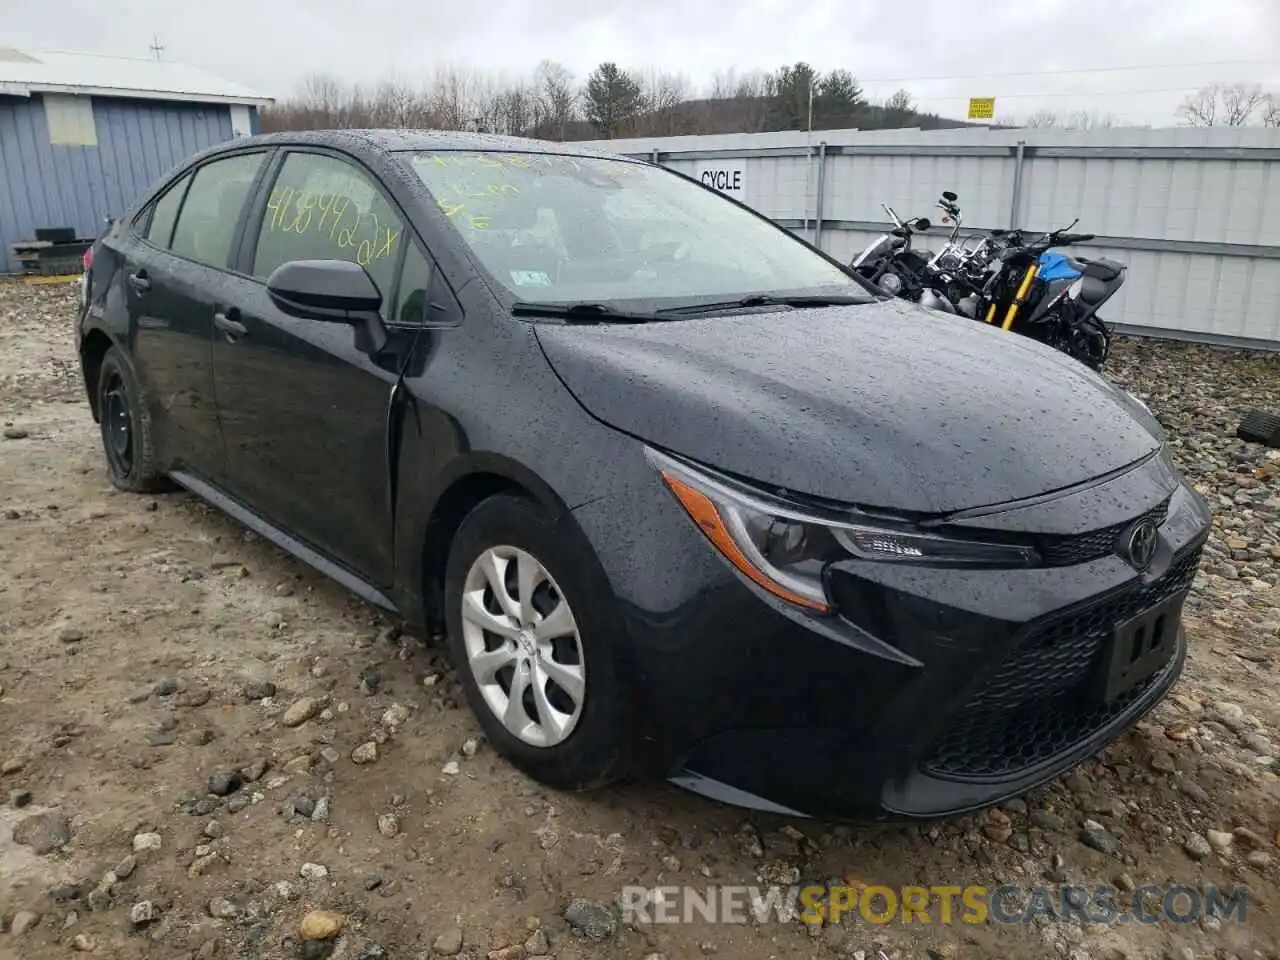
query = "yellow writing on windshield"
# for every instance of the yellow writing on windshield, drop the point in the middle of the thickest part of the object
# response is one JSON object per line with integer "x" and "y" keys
{"x": 477, "y": 191}
{"x": 494, "y": 161}
{"x": 336, "y": 218}
{"x": 452, "y": 209}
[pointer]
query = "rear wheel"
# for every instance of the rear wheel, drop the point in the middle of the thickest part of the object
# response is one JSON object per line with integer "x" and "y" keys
{"x": 126, "y": 428}
{"x": 531, "y": 632}
{"x": 1089, "y": 341}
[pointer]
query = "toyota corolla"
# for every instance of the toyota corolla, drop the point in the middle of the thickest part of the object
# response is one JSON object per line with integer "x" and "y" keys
{"x": 685, "y": 497}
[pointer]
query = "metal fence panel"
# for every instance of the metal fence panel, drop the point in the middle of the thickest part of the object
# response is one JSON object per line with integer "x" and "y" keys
{"x": 1194, "y": 213}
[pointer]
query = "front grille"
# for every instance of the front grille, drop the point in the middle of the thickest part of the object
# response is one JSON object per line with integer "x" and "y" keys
{"x": 1067, "y": 550}
{"x": 997, "y": 744}
{"x": 1032, "y": 707}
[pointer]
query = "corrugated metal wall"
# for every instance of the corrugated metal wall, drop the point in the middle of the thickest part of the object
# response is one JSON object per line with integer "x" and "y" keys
{"x": 1194, "y": 213}
{"x": 42, "y": 185}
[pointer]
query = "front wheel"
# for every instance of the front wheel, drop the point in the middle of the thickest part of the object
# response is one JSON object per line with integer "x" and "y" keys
{"x": 532, "y": 629}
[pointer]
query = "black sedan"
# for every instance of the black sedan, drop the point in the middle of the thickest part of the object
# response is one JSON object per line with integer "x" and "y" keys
{"x": 684, "y": 495}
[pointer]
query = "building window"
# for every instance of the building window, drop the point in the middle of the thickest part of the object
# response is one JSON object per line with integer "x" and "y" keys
{"x": 70, "y": 120}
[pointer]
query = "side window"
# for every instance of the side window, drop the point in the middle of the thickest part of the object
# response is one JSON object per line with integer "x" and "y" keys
{"x": 415, "y": 286}
{"x": 164, "y": 213}
{"x": 322, "y": 208}
{"x": 207, "y": 224}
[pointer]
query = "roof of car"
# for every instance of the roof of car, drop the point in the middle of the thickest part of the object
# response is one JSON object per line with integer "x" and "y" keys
{"x": 393, "y": 140}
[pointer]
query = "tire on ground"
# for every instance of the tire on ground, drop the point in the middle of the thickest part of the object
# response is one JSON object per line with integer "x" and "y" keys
{"x": 593, "y": 754}
{"x": 143, "y": 475}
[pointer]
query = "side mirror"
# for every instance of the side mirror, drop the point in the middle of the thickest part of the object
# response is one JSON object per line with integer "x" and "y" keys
{"x": 921, "y": 223}
{"x": 332, "y": 291}
{"x": 949, "y": 196}
{"x": 335, "y": 291}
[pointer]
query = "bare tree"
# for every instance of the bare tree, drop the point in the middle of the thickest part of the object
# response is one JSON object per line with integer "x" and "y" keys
{"x": 900, "y": 102}
{"x": 661, "y": 94}
{"x": 321, "y": 92}
{"x": 724, "y": 83}
{"x": 1075, "y": 120}
{"x": 1042, "y": 119}
{"x": 1222, "y": 105}
{"x": 394, "y": 104}
{"x": 1271, "y": 111}
{"x": 553, "y": 84}
{"x": 516, "y": 110}
{"x": 452, "y": 100}
{"x": 751, "y": 96}
{"x": 1239, "y": 101}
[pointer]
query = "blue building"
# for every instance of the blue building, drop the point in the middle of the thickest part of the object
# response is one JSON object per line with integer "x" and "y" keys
{"x": 81, "y": 136}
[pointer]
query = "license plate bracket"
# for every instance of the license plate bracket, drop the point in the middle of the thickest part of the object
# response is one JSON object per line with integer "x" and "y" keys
{"x": 1139, "y": 647}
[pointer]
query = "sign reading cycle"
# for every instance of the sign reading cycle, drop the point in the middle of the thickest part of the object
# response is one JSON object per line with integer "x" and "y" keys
{"x": 728, "y": 178}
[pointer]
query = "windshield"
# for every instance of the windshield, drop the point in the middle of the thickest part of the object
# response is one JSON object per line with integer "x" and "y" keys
{"x": 560, "y": 229}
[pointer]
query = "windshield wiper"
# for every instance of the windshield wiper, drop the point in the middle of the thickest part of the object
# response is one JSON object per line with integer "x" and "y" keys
{"x": 762, "y": 300}
{"x": 579, "y": 312}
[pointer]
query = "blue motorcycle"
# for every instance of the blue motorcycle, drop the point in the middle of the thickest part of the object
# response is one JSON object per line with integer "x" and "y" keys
{"x": 1051, "y": 297}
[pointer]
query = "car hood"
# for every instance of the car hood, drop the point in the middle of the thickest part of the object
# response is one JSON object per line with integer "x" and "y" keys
{"x": 879, "y": 405}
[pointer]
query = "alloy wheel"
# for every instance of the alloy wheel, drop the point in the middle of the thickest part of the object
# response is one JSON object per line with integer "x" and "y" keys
{"x": 522, "y": 646}
{"x": 117, "y": 425}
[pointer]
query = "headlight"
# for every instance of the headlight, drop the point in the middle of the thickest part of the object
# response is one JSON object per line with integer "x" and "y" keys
{"x": 1139, "y": 401}
{"x": 1143, "y": 414}
{"x": 784, "y": 549}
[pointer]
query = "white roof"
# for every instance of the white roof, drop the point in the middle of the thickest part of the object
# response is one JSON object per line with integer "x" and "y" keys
{"x": 24, "y": 72}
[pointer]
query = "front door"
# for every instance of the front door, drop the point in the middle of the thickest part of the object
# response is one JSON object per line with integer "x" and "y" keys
{"x": 304, "y": 412}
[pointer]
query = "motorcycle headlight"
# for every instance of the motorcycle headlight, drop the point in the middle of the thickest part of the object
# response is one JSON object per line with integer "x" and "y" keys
{"x": 784, "y": 549}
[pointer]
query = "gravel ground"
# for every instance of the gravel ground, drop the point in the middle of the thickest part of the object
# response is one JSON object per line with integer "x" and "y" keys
{"x": 207, "y": 750}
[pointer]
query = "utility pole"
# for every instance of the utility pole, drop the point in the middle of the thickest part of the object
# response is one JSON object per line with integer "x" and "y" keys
{"x": 812, "y": 77}
{"x": 156, "y": 47}
{"x": 808, "y": 147}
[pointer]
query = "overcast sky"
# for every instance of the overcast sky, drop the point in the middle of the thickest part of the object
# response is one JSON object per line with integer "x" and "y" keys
{"x": 271, "y": 45}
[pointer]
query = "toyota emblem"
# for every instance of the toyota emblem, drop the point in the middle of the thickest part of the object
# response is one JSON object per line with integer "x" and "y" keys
{"x": 1142, "y": 544}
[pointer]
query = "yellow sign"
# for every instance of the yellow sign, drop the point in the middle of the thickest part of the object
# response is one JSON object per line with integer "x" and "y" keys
{"x": 982, "y": 108}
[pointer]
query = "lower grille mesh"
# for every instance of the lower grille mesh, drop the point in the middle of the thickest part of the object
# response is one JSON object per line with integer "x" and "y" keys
{"x": 1032, "y": 707}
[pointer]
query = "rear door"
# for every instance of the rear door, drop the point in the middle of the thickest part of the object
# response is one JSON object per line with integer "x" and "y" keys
{"x": 304, "y": 412}
{"x": 174, "y": 268}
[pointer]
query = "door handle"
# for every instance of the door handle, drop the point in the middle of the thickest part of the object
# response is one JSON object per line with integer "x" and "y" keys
{"x": 233, "y": 329}
{"x": 139, "y": 281}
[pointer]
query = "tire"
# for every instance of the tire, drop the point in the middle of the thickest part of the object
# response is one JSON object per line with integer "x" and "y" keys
{"x": 125, "y": 428}
{"x": 587, "y": 750}
{"x": 1259, "y": 426}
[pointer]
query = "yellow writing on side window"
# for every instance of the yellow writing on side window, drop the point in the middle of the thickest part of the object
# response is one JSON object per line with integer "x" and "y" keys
{"x": 334, "y": 217}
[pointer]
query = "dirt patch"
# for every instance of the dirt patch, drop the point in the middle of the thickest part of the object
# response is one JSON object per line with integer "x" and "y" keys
{"x": 150, "y": 648}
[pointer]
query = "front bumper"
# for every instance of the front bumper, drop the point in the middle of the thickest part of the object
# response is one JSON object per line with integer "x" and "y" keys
{"x": 935, "y": 692}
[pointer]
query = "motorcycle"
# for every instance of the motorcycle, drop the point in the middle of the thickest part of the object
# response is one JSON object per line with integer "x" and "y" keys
{"x": 1051, "y": 297}
{"x": 1032, "y": 290}
{"x": 889, "y": 263}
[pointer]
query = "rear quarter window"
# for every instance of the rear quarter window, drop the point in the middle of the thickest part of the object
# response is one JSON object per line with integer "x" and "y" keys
{"x": 164, "y": 213}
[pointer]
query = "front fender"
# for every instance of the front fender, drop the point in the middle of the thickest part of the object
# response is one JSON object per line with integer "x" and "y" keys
{"x": 432, "y": 502}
